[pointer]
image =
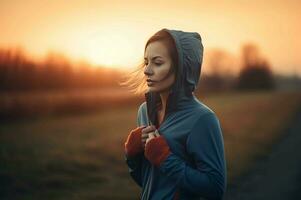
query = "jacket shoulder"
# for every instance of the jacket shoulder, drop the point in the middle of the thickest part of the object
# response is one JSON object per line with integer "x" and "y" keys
{"x": 202, "y": 109}
{"x": 206, "y": 119}
{"x": 205, "y": 116}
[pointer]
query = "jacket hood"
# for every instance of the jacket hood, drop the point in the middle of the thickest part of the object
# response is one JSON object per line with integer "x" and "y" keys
{"x": 190, "y": 57}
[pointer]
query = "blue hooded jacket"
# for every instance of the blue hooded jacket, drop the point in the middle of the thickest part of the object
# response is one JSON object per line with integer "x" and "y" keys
{"x": 196, "y": 166}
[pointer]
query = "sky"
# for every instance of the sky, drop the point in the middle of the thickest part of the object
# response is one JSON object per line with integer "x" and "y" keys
{"x": 113, "y": 33}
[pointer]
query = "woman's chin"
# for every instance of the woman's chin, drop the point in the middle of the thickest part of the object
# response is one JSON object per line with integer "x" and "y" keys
{"x": 151, "y": 89}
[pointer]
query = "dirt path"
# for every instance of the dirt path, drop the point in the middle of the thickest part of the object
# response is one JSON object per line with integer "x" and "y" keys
{"x": 276, "y": 177}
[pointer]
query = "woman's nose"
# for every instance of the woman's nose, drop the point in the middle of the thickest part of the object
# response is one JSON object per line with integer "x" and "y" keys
{"x": 148, "y": 71}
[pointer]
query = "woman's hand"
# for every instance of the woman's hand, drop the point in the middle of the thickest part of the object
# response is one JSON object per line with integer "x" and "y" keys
{"x": 133, "y": 144}
{"x": 156, "y": 149}
{"x": 148, "y": 133}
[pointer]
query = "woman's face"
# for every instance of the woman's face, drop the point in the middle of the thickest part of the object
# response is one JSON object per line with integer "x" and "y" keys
{"x": 157, "y": 65}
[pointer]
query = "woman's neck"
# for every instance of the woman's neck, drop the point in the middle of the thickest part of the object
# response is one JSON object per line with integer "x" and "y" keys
{"x": 161, "y": 112}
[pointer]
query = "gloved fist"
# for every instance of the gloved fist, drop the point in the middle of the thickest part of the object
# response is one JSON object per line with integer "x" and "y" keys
{"x": 133, "y": 144}
{"x": 156, "y": 150}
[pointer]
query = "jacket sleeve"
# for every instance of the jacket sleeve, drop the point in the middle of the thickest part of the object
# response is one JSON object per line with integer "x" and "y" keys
{"x": 135, "y": 162}
{"x": 206, "y": 147}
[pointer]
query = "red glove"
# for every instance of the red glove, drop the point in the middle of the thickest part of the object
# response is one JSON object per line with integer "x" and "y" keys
{"x": 157, "y": 150}
{"x": 133, "y": 144}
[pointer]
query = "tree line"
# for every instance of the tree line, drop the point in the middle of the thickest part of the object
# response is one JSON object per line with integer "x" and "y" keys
{"x": 20, "y": 73}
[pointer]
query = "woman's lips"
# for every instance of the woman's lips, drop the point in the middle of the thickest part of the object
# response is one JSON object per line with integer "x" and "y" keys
{"x": 150, "y": 82}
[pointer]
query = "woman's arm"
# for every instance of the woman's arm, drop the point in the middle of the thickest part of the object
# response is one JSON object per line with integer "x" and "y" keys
{"x": 135, "y": 162}
{"x": 134, "y": 166}
{"x": 205, "y": 145}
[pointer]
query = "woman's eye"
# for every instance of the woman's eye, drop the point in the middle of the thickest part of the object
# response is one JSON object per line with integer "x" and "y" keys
{"x": 158, "y": 64}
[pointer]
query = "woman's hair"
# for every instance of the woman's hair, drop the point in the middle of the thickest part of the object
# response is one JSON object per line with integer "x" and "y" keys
{"x": 136, "y": 80}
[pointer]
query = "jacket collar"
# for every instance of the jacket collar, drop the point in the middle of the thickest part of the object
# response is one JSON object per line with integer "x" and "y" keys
{"x": 177, "y": 100}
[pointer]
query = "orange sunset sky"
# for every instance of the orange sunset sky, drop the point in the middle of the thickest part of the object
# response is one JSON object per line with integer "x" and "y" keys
{"x": 113, "y": 33}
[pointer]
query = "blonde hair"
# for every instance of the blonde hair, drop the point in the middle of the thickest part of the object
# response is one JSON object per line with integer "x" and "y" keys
{"x": 135, "y": 80}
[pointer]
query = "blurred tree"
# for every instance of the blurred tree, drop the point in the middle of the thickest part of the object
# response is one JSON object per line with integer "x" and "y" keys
{"x": 255, "y": 72}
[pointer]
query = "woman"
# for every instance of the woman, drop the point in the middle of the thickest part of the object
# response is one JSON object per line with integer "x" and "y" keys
{"x": 177, "y": 149}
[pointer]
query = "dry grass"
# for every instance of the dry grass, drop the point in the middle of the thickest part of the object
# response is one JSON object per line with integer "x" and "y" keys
{"x": 81, "y": 156}
{"x": 251, "y": 123}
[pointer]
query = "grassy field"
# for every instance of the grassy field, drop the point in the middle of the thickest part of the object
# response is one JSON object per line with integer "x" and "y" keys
{"x": 81, "y": 156}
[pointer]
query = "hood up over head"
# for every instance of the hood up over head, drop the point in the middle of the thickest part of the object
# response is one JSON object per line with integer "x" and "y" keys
{"x": 190, "y": 57}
